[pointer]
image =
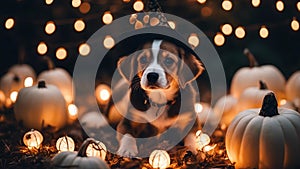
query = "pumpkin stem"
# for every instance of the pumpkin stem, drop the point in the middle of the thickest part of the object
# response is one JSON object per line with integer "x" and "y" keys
{"x": 84, "y": 146}
{"x": 262, "y": 85}
{"x": 50, "y": 63}
{"x": 16, "y": 78}
{"x": 42, "y": 84}
{"x": 22, "y": 54}
{"x": 251, "y": 58}
{"x": 269, "y": 106}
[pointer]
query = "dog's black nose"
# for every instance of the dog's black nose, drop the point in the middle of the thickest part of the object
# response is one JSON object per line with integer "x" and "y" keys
{"x": 152, "y": 77}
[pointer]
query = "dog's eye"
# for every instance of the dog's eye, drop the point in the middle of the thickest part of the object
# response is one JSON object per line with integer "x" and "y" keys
{"x": 143, "y": 60}
{"x": 168, "y": 61}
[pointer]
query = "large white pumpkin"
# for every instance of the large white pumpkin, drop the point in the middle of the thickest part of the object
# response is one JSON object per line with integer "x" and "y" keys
{"x": 226, "y": 107}
{"x": 41, "y": 105}
{"x": 60, "y": 78}
{"x": 249, "y": 76}
{"x": 265, "y": 138}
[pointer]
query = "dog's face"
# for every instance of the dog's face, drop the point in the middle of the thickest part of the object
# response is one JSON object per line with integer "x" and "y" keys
{"x": 161, "y": 66}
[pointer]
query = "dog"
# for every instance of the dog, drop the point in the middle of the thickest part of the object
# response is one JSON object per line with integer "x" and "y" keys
{"x": 160, "y": 96}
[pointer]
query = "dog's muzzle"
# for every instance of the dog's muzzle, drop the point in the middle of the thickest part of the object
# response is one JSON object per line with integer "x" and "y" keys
{"x": 152, "y": 78}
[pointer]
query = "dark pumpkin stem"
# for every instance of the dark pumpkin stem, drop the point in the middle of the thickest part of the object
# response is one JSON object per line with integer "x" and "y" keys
{"x": 16, "y": 78}
{"x": 269, "y": 106}
{"x": 251, "y": 58}
{"x": 50, "y": 63}
{"x": 262, "y": 85}
{"x": 42, "y": 84}
{"x": 84, "y": 146}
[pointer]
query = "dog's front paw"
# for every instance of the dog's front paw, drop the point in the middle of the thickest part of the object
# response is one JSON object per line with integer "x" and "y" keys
{"x": 128, "y": 147}
{"x": 128, "y": 151}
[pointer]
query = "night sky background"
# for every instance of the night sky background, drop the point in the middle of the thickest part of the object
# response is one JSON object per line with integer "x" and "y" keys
{"x": 281, "y": 48}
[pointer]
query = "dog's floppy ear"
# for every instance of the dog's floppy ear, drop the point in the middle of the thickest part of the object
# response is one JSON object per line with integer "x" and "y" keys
{"x": 190, "y": 68}
{"x": 126, "y": 66}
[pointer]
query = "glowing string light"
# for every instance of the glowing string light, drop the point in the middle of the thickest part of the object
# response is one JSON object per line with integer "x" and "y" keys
{"x": 9, "y": 23}
{"x": 107, "y": 17}
{"x": 295, "y": 24}
{"x": 255, "y": 3}
{"x": 219, "y": 39}
{"x": 227, "y": 5}
{"x": 50, "y": 27}
{"x": 263, "y": 32}
{"x": 240, "y": 32}
{"x": 84, "y": 49}
{"x": 42, "y": 48}
{"x": 226, "y": 29}
{"x": 61, "y": 53}
{"x": 108, "y": 42}
{"x": 201, "y": 1}
{"x": 76, "y": 3}
{"x": 48, "y": 2}
{"x": 193, "y": 40}
{"x": 280, "y": 6}
{"x": 79, "y": 25}
{"x": 138, "y": 6}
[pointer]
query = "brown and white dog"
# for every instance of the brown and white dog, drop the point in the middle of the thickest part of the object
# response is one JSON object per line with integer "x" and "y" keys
{"x": 160, "y": 95}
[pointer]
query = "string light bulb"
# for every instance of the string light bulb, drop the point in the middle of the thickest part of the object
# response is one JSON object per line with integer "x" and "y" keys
{"x": 48, "y": 2}
{"x": 85, "y": 7}
{"x": 280, "y": 6}
{"x": 138, "y": 6}
{"x": 50, "y": 27}
{"x": 9, "y": 23}
{"x": 79, "y": 25}
{"x": 219, "y": 39}
{"x": 76, "y": 3}
{"x": 193, "y": 40}
{"x": 84, "y": 49}
{"x": 240, "y": 32}
{"x": 263, "y": 32}
{"x": 255, "y": 3}
{"x": 201, "y": 1}
{"x": 13, "y": 96}
{"x": 61, "y": 53}
{"x": 28, "y": 82}
{"x": 227, "y": 5}
{"x": 108, "y": 42}
{"x": 226, "y": 29}
{"x": 42, "y": 48}
{"x": 107, "y": 17}
{"x": 72, "y": 111}
{"x": 298, "y": 6}
{"x": 295, "y": 24}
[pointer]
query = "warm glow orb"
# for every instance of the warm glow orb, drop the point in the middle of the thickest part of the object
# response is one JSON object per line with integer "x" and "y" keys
{"x": 97, "y": 149}
{"x": 138, "y": 6}
{"x": 227, "y": 5}
{"x": 42, "y": 48}
{"x": 172, "y": 24}
{"x": 50, "y": 27}
{"x": 282, "y": 102}
{"x": 85, "y": 7}
{"x": 48, "y": 2}
{"x": 126, "y": 1}
{"x": 295, "y": 25}
{"x": 201, "y": 1}
{"x": 202, "y": 139}
{"x": 103, "y": 93}
{"x": 255, "y": 3}
{"x": 84, "y": 49}
{"x": 9, "y": 23}
{"x": 219, "y": 39}
{"x": 240, "y": 32}
{"x": 61, "y": 53}
{"x": 33, "y": 139}
{"x": 198, "y": 107}
{"x": 206, "y": 11}
{"x": 76, "y": 3}
{"x": 79, "y": 25}
{"x": 108, "y": 42}
{"x": 73, "y": 111}
{"x": 226, "y": 29}
{"x": 280, "y": 6}
{"x": 65, "y": 143}
{"x": 263, "y": 32}
{"x": 13, "y": 96}
{"x": 107, "y": 17}
{"x": 298, "y": 6}
{"x": 159, "y": 159}
{"x": 193, "y": 40}
{"x": 28, "y": 82}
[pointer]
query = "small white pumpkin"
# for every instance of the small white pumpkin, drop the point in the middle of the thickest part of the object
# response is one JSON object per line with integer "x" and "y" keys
{"x": 33, "y": 139}
{"x": 292, "y": 88}
{"x": 60, "y": 78}
{"x": 78, "y": 160}
{"x": 265, "y": 138}
{"x": 159, "y": 159}
{"x": 225, "y": 106}
{"x": 10, "y": 83}
{"x": 41, "y": 105}
{"x": 249, "y": 76}
{"x": 23, "y": 71}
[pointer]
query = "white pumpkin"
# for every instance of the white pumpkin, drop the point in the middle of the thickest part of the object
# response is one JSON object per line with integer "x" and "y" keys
{"x": 292, "y": 88}
{"x": 249, "y": 76}
{"x": 41, "y": 105}
{"x": 265, "y": 138}
{"x": 10, "y": 83}
{"x": 60, "y": 78}
{"x": 225, "y": 106}
{"x": 252, "y": 97}
{"x": 23, "y": 71}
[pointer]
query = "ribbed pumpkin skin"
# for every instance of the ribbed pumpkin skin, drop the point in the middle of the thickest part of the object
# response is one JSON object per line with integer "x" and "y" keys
{"x": 41, "y": 106}
{"x": 254, "y": 141}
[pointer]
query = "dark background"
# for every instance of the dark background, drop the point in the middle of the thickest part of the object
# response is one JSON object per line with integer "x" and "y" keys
{"x": 281, "y": 48}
